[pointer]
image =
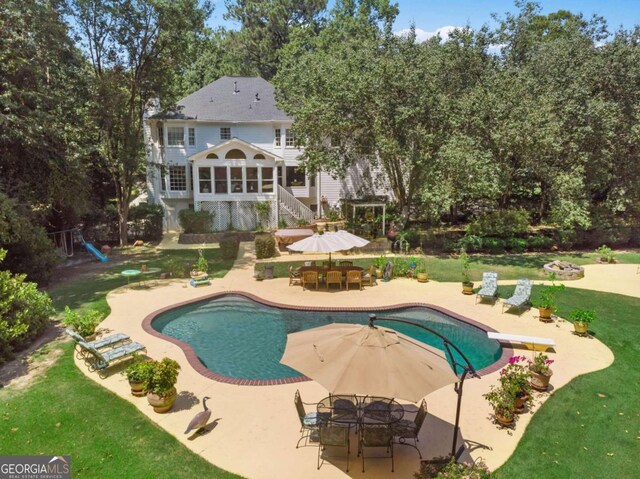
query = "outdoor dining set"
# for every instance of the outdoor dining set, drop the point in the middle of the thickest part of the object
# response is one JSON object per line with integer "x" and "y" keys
{"x": 378, "y": 422}
{"x": 332, "y": 275}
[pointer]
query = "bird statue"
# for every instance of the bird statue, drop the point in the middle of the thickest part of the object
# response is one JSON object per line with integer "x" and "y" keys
{"x": 200, "y": 420}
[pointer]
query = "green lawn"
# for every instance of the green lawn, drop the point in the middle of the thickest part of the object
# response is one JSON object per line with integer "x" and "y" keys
{"x": 590, "y": 428}
{"x": 64, "y": 412}
{"x": 507, "y": 266}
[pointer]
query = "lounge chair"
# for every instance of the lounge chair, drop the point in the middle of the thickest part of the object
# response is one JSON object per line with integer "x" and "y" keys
{"x": 531, "y": 342}
{"x": 409, "y": 429}
{"x": 489, "y": 288}
{"x": 100, "y": 360}
{"x": 521, "y": 295}
{"x": 118, "y": 339}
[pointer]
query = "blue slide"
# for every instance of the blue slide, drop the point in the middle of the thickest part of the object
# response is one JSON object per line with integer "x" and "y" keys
{"x": 93, "y": 250}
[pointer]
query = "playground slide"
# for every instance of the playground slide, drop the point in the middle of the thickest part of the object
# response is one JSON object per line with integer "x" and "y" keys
{"x": 93, "y": 250}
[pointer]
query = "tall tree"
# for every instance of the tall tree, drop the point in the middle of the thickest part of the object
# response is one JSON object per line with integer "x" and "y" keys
{"x": 265, "y": 27}
{"x": 43, "y": 95}
{"x": 359, "y": 93}
{"x": 136, "y": 49}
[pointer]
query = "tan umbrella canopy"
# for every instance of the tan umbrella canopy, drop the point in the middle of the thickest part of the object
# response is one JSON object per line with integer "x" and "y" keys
{"x": 328, "y": 243}
{"x": 368, "y": 360}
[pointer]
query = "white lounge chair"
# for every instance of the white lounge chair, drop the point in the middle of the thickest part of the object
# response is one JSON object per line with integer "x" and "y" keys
{"x": 521, "y": 295}
{"x": 489, "y": 289}
{"x": 100, "y": 360}
{"x": 531, "y": 342}
{"x": 112, "y": 341}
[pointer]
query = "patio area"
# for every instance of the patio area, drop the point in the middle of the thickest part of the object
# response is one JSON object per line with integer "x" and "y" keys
{"x": 254, "y": 429}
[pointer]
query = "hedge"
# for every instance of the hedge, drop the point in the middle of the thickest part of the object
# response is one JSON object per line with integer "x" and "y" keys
{"x": 229, "y": 247}
{"x": 265, "y": 246}
{"x": 146, "y": 221}
{"x": 195, "y": 221}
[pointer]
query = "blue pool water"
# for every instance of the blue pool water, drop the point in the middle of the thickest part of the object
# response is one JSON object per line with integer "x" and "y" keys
{"x": 237, "y": 337}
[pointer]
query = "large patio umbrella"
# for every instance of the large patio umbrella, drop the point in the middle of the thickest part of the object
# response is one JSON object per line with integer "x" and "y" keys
{"x": 368, "y": 360}
{"x": 328, "y": 243}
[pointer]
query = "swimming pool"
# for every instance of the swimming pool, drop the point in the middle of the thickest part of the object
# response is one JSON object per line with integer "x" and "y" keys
{"x": 236, "y": 337}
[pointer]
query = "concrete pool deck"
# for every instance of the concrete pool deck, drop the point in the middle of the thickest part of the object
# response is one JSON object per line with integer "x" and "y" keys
{"x": 254, "y": 429}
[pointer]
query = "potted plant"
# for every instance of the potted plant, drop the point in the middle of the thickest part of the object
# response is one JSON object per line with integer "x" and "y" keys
{"x": 421, "y": 274}
{"x": 605, "y": 254}
{"x": 503, "y": 403}
{"x": 380, "y": 263}
{"x": 84, "y": 323}
{"x": 547, "y": 302}
{"x": 515, "y": 378}
{"x": 160, "y": 384}
{"x": 137, "y": 373}
{"x": 540, "y": 371}
{"x": 581, "y": 319}
{"x": 467, "y": 285}
{"x": 201, "y": 268}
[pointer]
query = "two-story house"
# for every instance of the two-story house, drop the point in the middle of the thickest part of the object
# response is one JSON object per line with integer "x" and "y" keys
{"x": 228, "y": 147}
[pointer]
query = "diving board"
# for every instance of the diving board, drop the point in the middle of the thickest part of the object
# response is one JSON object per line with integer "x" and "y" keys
{"x": 531, "y": 342}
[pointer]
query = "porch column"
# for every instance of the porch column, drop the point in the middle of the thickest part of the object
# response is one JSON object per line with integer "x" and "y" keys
{"x": 276, "y": 188}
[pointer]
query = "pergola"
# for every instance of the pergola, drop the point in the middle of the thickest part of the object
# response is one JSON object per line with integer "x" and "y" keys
{"x": 355, "y": 204}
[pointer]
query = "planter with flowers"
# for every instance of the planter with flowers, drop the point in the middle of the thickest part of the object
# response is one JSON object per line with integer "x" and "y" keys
{"x": 515, "y": 378}
{"x": 137, "y": 373}
{"x": 160, "y": 384}
{"x": 547, "y": 301}
{"x": 540, "y": 372}
{"x": 581, "y": 319}
{"x": 504, "y": 404}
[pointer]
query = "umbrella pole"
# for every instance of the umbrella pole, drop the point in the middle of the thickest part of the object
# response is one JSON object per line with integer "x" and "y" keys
{"x": 456, "y": 427}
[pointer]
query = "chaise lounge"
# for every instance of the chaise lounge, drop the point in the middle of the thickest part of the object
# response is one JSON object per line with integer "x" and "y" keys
{"x": 100, "y": 360}
{"x": 489, "y": 289}
{"x": 521, "y": 295}
{"x": 118, "y": 339}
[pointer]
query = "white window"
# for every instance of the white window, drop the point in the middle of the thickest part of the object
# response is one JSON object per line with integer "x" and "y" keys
{"x": 267, "y": 180}
{"x": 204, "y": 174}
{"x": 175, "y": 136}
{"x": 177, "y": 178}
{"x": 225, "y": 133}
{"x": 290, "y": 139}
{"x": 220, "y": 174}
{"x": 160, "y": 136}
{"x": 277, "y": 137}
{"x": 252, "y": 179}
{"x": 192, "y": 137}
{"x": 236, "y": 179}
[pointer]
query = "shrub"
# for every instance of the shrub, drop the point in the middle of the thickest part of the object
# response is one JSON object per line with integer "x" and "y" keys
{"x": 24, "y": 312}
{"x": 500, "y": 223}
{"x": 229, "y": 247}
{"x": 411, "y": 236}
{"x": 202, "y": 264}
{"x": 84, "y": 323}
{"x": 606, "y": 254}
{"x": 176, "y": 268}
{"x": 195, "y": 221}
{"x": 147, "y": 221}
{"x": 493, "y": 245}
{"x": 517, "y": 245}
{"x": 471, "y": 243}
{"x": 161, "y": 376}
{"x": 452, "y": 470}
{"x": 28, "y": 248}
{"x": 265, "y": 246}
{"x": 580, "y": 315}
{"x": 566, "y": 239}
{"x": 539, "y": 243}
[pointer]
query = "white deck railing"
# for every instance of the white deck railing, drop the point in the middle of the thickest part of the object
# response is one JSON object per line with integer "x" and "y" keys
{"x": 294, "y": 206}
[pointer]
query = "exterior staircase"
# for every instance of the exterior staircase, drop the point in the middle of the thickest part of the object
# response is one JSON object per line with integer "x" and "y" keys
{"x": 292, "y": 210}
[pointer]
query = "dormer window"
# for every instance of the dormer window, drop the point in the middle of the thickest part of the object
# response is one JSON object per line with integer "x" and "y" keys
{"x": 225, "y": 133}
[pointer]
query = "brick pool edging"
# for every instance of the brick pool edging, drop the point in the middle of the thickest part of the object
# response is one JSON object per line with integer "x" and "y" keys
{"x": 195, "y": 363}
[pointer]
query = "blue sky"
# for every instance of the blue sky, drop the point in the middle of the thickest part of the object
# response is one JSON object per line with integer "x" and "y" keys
{"x": 432, "y": 15}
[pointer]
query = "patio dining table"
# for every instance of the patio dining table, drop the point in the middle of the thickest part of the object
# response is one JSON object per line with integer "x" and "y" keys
{"x": 352, "y": 410}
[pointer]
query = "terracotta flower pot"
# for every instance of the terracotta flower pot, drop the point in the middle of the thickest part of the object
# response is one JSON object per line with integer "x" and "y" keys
{"x": 422, "y": 277}
{"x": 137, "y": 388}
{"x": 545, "y": 314}
{"x": 162, "y": 404}
{"x": 502, "y": 419}
{"x": 467, "y": 288}
{"x": 521, "y": 401}
{"x": 540, "y": 382}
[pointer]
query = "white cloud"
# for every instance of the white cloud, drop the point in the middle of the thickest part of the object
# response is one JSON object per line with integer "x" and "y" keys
{"x": 423, "y": 35}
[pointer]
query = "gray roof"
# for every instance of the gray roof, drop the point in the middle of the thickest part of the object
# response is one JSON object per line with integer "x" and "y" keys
{"x": 232, "y": 99}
